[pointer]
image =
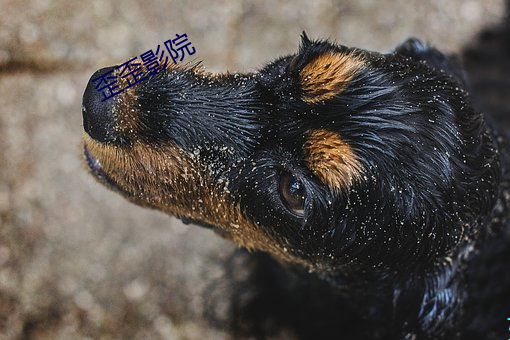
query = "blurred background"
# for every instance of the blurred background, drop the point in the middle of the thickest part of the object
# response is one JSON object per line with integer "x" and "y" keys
{"x": 78, "y": 261}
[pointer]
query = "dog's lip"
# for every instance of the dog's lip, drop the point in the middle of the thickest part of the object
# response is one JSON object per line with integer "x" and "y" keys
{"x": 93, "y": 163}
{"x": 97, "y": 170}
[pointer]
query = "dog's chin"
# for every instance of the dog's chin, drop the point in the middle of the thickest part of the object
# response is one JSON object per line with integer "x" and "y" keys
{"x": 97, "y": 171}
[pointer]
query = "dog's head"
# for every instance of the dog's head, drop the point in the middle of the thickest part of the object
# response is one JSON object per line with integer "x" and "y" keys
{"x": 329, "y": 158}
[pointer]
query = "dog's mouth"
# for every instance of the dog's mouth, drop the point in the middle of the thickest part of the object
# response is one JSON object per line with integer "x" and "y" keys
{"x": 97, "y": 170}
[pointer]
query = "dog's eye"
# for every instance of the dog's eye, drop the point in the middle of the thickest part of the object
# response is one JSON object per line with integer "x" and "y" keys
{"x": 292, "y": 193}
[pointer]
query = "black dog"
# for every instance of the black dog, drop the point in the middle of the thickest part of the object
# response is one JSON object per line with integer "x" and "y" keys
{"x": 372, "y": 179}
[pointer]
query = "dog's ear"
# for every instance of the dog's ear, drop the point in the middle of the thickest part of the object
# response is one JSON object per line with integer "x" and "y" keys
{"x": 416, "y": 49}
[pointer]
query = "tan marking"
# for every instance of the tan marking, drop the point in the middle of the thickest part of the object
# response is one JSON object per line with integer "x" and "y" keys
{"x": 331, "y": 159}
{"x": 175, "y": 181}
{"x": 125, "y": 113}
{"x": 125, "y": 109}
{"x": 328, "y": 74}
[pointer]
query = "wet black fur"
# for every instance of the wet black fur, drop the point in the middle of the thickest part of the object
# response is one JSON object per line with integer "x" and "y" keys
{"x": 401, "y": 118}
{"x": 419, "y": 248}
{"x": 433, "y": 207}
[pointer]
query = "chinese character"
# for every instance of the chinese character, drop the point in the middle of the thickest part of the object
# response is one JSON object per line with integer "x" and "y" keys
{"x": 132, "y": 72}
{"x": 132, "y": 77}
{"x": 108, "y": 88}
{"x": 151, "y": 62}
{"x": 180, "y": 40}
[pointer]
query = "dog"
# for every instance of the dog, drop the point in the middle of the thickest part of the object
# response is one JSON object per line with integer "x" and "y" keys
{"x": 369, "y": 188}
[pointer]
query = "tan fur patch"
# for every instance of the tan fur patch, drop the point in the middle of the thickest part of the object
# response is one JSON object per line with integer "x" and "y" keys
{"x": 327, "y": 75}
{"x": 125, "y": 110}
{"x": 175, "y": 181}
{"x": 331, "y": 159}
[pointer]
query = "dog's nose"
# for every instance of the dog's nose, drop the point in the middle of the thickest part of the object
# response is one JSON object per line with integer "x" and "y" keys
{"x": 98, "y": 118}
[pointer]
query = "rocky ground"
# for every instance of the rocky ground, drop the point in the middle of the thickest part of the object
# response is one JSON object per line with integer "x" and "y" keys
{"x": 80, "y": 262}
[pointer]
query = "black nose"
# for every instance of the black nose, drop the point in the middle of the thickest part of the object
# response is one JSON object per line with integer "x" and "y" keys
{"x": 98, "y": 118}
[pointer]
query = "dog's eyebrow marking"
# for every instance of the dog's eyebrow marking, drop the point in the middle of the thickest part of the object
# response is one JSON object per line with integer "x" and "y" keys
{"x": 327, "y": 75}
{"x": 331, "y": 159}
